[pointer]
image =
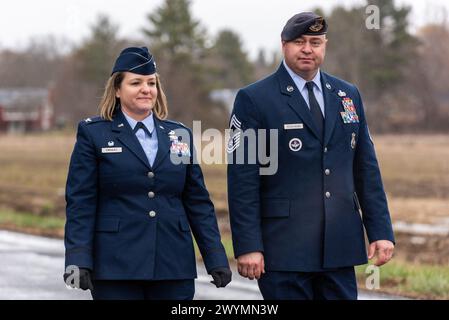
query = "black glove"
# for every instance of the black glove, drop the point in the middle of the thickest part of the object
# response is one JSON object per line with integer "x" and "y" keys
{"x": 85, "y": 279}
{"x": 221, "y": 275}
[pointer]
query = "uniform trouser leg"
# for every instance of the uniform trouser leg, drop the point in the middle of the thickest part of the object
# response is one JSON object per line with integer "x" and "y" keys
{"x": 143, "y": 290}
{"x": 336, "y": 285}
{"x": 117, "y": 290}
{"x": 170, "y": 290}
{"x": 279, "y": 285}
{"x": 330, "y": 285}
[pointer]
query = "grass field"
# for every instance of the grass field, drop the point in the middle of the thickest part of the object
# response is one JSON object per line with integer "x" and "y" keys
{"x": 415, "y": 171}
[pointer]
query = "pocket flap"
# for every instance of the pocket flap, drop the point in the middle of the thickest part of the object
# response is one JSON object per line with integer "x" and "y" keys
{"x": 108, "y": 224}
{"x": 275, "y": 208}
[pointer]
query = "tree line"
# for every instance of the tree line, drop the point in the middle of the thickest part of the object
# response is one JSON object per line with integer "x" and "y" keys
{"x": 403, "y": 77}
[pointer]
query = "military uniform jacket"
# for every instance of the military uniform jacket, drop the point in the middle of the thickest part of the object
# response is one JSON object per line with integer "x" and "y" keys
{"x": 129, "y": 220}
{"x": 306, "y": 216}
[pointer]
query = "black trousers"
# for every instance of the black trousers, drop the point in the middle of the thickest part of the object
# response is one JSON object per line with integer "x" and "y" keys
{"x": 143, "y": 290}
{"x": 340, "y": 284}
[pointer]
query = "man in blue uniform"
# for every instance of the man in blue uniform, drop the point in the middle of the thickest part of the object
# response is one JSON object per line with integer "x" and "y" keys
{"x": 131, "y": 204}
{"x": 299, "y": 231}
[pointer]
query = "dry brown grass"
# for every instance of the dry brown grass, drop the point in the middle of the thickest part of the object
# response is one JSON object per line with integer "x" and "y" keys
{"x": 33, "y": 172}
{"x": 420, "y": 210}
{"x": 414, "y": 166}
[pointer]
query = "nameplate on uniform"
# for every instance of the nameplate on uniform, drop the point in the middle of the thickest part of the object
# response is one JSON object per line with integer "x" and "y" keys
{"x": 290, "y": 126}
{"x": 111, "y": 150}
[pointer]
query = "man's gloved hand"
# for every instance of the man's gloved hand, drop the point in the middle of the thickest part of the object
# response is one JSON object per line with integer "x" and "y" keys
{"x": 221, "y": 275}
{"x": 85, "y": 279}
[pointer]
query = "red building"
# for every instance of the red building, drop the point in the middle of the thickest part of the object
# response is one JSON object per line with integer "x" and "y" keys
{"x": 25, "y": 110}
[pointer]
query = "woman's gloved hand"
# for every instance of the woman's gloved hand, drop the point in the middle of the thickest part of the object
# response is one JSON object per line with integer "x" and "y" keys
{"x": 221, "y": 275}
{"x": 85, "y": 279}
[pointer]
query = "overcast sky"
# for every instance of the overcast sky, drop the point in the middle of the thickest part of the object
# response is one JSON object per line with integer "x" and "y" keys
{"x": 258, "y": 22}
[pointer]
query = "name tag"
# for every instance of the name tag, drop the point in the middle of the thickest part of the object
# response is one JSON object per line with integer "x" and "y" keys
{"x": 289, "y": 126}
{"x": 111, "y": 150}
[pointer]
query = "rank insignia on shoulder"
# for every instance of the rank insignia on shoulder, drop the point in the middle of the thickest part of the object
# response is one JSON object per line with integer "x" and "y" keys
{"x": 234, "y": 142}
{"x": 234, "y": 139}
{"x": 341, "y": 93}
{"x": 235, "y": 123}
{"x": 88, "y": 120}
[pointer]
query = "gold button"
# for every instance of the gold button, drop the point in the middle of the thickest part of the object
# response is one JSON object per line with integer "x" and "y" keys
{"x": 150, "y": 174}
{"x": 328, "y": 194}
{"x": 152, "y": 213}
{"x": 325, "y": 149}
{"x": 151, "y": 194}
{"x": 327, "y": 172}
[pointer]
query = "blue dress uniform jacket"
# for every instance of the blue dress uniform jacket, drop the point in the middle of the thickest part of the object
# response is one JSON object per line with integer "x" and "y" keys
{"x": 127, "y": 220}
{"x": 305, "y": 217}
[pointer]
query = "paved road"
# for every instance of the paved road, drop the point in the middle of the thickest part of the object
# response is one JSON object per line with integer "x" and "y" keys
{"x": 32, "y": 267}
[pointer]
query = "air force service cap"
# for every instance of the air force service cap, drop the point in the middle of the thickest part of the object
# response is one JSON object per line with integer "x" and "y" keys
{"x": 304, "y": 23}
{"x": 136, "y": 60}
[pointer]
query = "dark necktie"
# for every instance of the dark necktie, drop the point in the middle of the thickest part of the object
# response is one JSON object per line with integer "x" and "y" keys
{"x": 315, "y": 109}
{"x": 140, "y": 125}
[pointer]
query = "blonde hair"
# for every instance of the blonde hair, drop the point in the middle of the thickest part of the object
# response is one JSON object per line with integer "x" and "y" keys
{"x": 109, "y": 101}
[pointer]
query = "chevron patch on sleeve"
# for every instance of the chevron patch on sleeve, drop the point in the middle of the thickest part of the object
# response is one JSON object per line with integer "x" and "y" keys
{"x": 234, "y": 139}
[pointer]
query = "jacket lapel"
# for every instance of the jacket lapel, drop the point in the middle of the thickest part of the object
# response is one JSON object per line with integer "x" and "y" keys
{"x": 332, "y": 104}
{"x": 295, "y": 99}
{"x": 126, "y": 136}
{"x": 163, "y": 141}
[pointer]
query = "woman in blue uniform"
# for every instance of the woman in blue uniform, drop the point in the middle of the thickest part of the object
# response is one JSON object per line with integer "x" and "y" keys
{"x": 134, "y": 195}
